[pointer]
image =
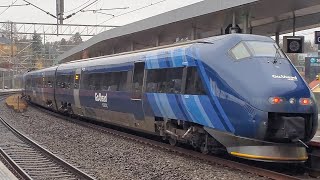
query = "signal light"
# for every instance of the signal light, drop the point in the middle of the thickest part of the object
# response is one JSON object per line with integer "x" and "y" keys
{"x": 305, "y": 101}
{"x": 275, "y": 100}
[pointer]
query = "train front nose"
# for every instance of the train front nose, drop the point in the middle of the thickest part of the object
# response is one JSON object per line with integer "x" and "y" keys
{"x": 289, "y": 109}
{"x": 278, "y": 110}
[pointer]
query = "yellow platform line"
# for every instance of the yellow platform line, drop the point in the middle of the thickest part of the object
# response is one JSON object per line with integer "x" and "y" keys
{"x": 250, "y": 156}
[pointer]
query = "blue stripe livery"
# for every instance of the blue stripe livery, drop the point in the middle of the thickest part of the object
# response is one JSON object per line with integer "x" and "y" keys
{"x": 193, "y": 108}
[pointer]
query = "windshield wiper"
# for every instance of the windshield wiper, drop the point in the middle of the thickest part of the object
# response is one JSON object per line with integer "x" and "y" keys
{"x": 276, "y": 56}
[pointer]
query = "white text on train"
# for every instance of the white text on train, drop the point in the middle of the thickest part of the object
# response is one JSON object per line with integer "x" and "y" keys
{"x": 290, "y": 78}
{"x": 100, "y": 98}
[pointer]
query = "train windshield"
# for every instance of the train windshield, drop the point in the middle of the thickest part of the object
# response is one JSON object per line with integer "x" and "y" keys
{"x": 256, "y": 49}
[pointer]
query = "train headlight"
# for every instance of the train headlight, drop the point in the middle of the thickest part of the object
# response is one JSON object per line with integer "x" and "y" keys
{"x": 292, "y": 100}
{"x": 276, "y": 100}
{"x": 305, "y": 101}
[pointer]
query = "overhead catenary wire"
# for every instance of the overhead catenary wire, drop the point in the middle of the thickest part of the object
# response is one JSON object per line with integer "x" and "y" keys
{"x": 95, "y": 10}
{"x": 47, "y": 12}
{"x": 14, "y": 5}
{"x": 70, "y": 15}
{"x": 8, "y": 7}
{"x": 78, "y": 6}
{"x": 134, "y": 10}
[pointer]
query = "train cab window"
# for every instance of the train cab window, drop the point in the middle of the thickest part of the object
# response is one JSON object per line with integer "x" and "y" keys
{"x": 240, "y": 51}
{"x": 264, "y": 49}
{"x": 193, "y": 82}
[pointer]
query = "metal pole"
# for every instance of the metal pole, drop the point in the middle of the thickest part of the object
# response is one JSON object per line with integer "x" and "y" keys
{"x": 233, "y": 29}
{"x": 294, "y": 23}
{"x": 194, "y": 33}
{"x": 11, "y": 39}
{"x": 245, "y": 24}
{"x": 3, "y": 80}
{"x": 234, "y": 20}
{"x": 278, "y": 38}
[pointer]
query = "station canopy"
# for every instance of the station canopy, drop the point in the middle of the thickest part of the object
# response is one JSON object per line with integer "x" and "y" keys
{"x": 204, "y": 19}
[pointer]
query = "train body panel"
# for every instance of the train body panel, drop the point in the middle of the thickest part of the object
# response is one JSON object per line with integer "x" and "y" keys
{"x": 39, "y": 87}
{"x": 230, "y": 87}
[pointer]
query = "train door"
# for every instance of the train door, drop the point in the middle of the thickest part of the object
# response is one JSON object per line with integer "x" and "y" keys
{"x": 137, "y": 90}
{"x": 76, "y": 90}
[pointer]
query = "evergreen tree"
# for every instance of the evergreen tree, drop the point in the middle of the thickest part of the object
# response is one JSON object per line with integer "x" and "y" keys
{"x": 63, "y": 45}
{"x": 76, "y": 39}
{"x": 36, "y": 44}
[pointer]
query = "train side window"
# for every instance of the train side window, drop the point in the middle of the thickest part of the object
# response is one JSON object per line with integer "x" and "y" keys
{"x": 109, "y": 81}
{"x": 137, "y": 80}
{"x": 66, "y": 81}
{"x": 60, "y": 81}
{"x": 70, "y": 81}
{"x": 153, "y": 81}
{"x": 167, "y": 80}
{"x": 123, "y": 77}
{"x": 174, "y": 80}
{"x": 63, "y": 82}
{"x": 106, "y": 78}
{"x": 85, "y": 80}
{"x": 193, "y": 82}
{"x": 91, "y": 82}
{"x": 97, "y": 81}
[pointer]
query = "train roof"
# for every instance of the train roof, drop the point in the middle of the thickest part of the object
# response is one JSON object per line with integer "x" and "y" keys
{"x": 53, "y": 68}
{"x": 227, "y": 41}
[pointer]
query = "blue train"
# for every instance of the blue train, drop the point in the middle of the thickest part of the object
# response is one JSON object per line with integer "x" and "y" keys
{"x": 235, "y": 92}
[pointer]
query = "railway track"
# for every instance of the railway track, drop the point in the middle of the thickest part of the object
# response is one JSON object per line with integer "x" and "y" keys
{"x": 30, "y": 160}
{"x": 179, "y": 150}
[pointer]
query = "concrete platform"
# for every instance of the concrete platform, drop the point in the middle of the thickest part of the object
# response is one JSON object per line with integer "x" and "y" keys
{"x": 9, "y": 90}
{"x": 5, "y": 173}
{"x": 317, "y": 137}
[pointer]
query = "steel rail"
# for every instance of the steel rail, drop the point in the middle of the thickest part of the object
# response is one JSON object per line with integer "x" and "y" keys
{"x": 182, "y": 151}
{"x": 47, "y": 154}
{"x": 23, "y": 174}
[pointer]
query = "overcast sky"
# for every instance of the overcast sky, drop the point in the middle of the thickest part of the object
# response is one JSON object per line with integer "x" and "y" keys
{"x": 31, "y": 14}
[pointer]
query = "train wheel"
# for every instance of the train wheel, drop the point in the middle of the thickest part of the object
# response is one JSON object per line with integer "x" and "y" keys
{"x": 204, "y": 148}
{"x": 172, "y": 141}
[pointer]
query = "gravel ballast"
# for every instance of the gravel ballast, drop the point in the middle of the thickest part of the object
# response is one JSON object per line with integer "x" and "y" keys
{"x": 106, "y": 156}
